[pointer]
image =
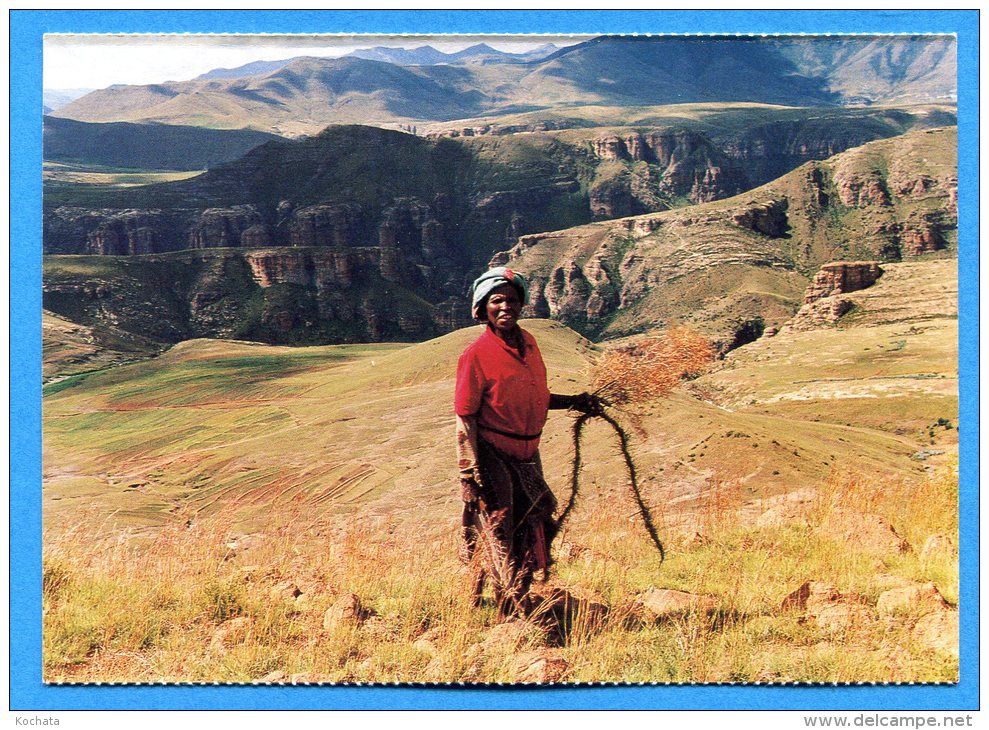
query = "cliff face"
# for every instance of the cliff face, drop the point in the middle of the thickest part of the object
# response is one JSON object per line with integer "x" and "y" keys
{"x": 660, "y": 170}
{"x": 278, "y": 295}
{"x": 842, "y": 277}
{"x": 734, "y": 267}
{"x": 825, "y": 302}
{"x": 307, "y": 224}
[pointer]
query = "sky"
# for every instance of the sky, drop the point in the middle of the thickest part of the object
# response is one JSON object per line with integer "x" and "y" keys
{"x": 95, "y": 61}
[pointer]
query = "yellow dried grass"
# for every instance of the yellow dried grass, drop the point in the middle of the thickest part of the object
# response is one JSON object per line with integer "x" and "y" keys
{"x": 650, "y": 368}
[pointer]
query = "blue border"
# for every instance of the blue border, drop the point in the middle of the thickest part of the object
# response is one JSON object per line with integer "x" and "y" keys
{"x": 26, "y": 30}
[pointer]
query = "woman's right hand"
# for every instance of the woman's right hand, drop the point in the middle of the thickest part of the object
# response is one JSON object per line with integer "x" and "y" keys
{"x": 470, "y": 490}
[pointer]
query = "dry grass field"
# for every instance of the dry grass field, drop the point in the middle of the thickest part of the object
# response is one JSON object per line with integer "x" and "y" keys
{"x": 235, "y": 512}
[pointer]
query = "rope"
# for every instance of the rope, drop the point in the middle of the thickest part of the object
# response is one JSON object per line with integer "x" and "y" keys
{"x": 578, "y": 428}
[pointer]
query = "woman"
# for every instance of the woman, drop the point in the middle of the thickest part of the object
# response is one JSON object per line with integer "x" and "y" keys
{"x": 501, "y": 404}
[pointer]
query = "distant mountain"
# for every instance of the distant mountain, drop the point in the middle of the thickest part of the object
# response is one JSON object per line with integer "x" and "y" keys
{"x": 54, "y": 99}
{"x": 307, "y": 94}
{"x": 421, "y": 56}
{"x": 427, "y": 55}
{"x": 887, "y": 69}
{"x": 254, "y": 68}
{"x": 145, "y": 146}
{"x": 302, "y": 97}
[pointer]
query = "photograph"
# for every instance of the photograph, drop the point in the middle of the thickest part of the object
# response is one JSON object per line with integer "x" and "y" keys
{"x": 415, "y": 356}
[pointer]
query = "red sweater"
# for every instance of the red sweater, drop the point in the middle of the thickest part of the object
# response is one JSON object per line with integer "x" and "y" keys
{"x": 504, "y": 391}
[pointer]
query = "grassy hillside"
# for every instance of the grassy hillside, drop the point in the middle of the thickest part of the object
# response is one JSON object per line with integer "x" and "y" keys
{"x": 236, "y": 498}
{"x": 720, "y": 120}
{"x": 187, "y": 294}
{"x": 69, "y": 349}
{"x": 144, "y": 146}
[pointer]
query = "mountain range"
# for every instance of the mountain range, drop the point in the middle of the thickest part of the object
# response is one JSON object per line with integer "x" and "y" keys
{"x": 306, "y": 94}
{"x": 420, "y": 56}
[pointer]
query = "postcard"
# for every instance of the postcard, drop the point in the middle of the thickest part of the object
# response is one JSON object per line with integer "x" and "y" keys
{"x": 494, "y": 358}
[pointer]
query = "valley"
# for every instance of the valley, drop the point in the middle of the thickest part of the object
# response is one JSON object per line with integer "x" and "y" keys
{"x": 296, "y": 258}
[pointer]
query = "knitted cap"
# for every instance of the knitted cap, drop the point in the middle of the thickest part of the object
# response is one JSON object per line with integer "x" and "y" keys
{"x": 492, "y": 279}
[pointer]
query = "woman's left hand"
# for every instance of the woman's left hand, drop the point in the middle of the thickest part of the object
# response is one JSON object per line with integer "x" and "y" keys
{"x": 588, "y": 403}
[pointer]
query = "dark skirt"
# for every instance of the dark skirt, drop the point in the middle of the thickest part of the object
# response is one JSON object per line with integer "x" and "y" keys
{"x": 507, "y": 535}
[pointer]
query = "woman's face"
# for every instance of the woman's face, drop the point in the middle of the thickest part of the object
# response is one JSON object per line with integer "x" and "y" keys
{"x": 504, "y": 308}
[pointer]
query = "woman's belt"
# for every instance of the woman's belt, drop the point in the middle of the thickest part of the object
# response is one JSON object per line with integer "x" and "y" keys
{"x": 509, "y": 434}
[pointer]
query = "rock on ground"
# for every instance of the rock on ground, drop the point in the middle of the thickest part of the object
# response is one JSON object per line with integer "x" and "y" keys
{"x": 866, "y": 531}
{"x": 545, "y": 666}
{"x": 936, "y": 546}
{"x": 512, "y": 635}
{"x": 347, "y": 609}
{"x": 661, "y": 604}
{"x": 569, "y": 607}
{"x": 286, "y": 589}
{"x": 310, "y": 678}
{"x": 501, "y": 640}
{"x": 917, "y": 599}
{"x": 939, "y": 631}
{"x": 827, "y": 606}
{"x": 229, "y": 633}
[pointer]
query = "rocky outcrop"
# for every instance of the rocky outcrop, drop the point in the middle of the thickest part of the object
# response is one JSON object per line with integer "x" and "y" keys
{"x": 767, "y": 151}
{"x": 410, "y": 226}
{"x": 278, "y": 295}
{"x": 768, "y": 219}
{"x": 921, "y": 233}
{"x": 322, "y": 225}
{"x": 498, "y": 130}
{"x": 127, "y": 232}
{"x": 842, "y": 277}
{"x": 824, "y": 302}
{"x": 820, "y": 313}
{"x": 567, "y": 292}
{"x": 504, "y": 214}
{"x": 611, "y": 147}
{"x": 613, "y": 198}
{"x": 225, "y": 228}
{"x": 859, "y": 190}
{"x": 664, "y": 147}
{"x": 687, "y": 165}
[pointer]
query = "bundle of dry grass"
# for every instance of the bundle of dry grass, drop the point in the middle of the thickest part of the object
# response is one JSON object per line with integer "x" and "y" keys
{"x": 650, "y": 368}
{"x": 632, "y": 374}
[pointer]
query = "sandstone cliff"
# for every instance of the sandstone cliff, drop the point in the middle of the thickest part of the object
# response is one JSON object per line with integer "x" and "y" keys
{"x": 730, "y": 267}
{"x": 734, "y": 267}
{"x": 825, "y": 302}
{"x": 278, "y": 295}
